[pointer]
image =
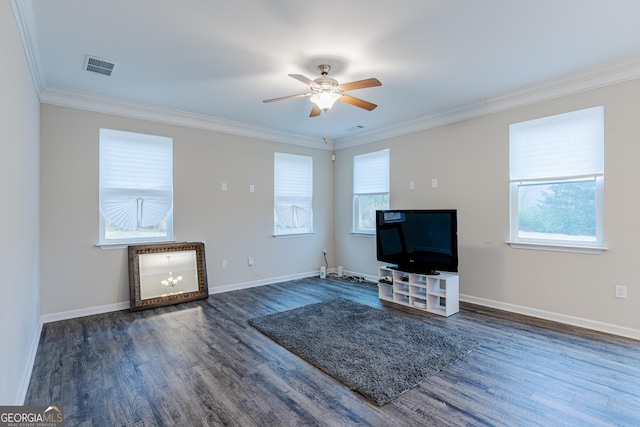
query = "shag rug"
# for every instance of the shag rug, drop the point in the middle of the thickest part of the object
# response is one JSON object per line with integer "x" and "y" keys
{"x": 375, "y": 352}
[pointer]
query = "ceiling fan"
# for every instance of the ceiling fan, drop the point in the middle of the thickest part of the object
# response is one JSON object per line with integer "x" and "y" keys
{"x": 326, "y": 90}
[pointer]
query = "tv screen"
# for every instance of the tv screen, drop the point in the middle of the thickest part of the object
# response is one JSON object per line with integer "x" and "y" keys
{"x": 421, "y": 241}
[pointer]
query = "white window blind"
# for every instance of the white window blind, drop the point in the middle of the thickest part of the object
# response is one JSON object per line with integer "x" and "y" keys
{"x": 561, "y": 146}
{"x": 293, "y": 194}
{"x": 371, "y": 172}
{"x": 136, "y": 186}
{"x": 370, "y": 189}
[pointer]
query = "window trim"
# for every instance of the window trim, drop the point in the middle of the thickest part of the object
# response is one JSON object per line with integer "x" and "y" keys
{"x": 557, "y": 244}
{"x": 560, "y": 247}
{"x": 355, "y": 207}
{"x": 595, "y": 247}
{"x": 542, "y": 132}
{"x": 310, "y": 228}
{"x": 104, "y": 243}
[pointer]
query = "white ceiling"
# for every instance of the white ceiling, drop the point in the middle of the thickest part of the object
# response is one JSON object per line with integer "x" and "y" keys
{"x": 211, "y": 63}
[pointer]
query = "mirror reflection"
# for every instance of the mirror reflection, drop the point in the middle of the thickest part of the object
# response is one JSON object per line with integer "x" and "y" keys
{"x": 168, "y": 273}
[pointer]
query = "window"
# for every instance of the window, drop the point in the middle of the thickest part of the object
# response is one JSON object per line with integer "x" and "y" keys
{"x": 136, "y": 188}
{"x": 370, "y": 189}
{"x": 293, "y": 194}
{"x": 557, "y": 179}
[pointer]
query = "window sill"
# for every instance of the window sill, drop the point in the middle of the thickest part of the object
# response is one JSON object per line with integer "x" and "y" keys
{"x": 123, "y": 245}
{"x": 281, "y": 236}
{"x": 356, "y": 233}
{"x": 557, "y": 247}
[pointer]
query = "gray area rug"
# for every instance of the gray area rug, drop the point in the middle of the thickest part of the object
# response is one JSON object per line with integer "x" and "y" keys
{"x": 375, "y": 352}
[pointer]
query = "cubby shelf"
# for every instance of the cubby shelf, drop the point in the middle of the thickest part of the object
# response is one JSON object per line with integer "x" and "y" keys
{"x": 434, "y": 293}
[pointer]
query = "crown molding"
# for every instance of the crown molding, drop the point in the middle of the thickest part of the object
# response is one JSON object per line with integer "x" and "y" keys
{"x": 575, "y": 83}
{"x": 593, "y": 78}
{"x": 26, "y": 22}
{"x": 121, "y": 107}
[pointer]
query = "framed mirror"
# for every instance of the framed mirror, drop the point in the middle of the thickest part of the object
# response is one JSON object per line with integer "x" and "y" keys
{"x": 166, "y": 274}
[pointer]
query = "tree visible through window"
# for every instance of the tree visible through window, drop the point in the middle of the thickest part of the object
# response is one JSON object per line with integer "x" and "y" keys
{"x": 557, "y": 176}
{"x": 566, "y": 210}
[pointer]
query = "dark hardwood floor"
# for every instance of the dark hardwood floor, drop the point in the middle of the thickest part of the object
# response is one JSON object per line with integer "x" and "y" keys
{"x": 201, "y": 364}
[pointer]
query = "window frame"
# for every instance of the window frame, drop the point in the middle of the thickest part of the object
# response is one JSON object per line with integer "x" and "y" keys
{"x": 558, "y": 244}
{"x": 356, "y": 227}
{"x": 103, "y": 241}
{"x": 308, "y": 228}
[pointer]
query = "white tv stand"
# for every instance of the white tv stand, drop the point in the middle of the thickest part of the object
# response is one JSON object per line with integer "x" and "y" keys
{"x": 436, "y": 294}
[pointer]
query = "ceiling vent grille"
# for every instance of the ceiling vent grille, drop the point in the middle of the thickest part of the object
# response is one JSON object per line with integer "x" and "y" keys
{"x": 99, "y": 65}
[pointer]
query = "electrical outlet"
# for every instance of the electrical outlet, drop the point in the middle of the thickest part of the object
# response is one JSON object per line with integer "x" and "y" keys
{"x": 223, "y": 263}
{"x": 621, "y": 291}
{"x": 434, "y": 183}
{"x": 324, "y": 252}
{"x": 250, "y": 261}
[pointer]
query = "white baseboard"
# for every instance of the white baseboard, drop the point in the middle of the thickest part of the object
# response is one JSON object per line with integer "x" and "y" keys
{"x": 555, "y": 317}
{"x": 262, "y": 282}
{"x": 541, "y": 314}
{"x": 26, "y": 377}
{"x": 73, "y": 314}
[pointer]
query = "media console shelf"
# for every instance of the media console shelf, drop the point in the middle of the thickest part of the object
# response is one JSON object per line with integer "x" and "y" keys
{"x": 436, "y": 294}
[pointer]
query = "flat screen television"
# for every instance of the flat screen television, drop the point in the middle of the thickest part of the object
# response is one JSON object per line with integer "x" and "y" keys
{"x": 421, "y": 241}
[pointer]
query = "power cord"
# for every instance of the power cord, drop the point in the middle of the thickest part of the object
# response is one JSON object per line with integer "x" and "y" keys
{"x": 353, "y": 279}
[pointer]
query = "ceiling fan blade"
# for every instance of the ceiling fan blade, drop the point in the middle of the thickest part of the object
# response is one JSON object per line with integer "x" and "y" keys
{"x": 315, "y": 111}
{"x": 287, "y": 97}
{"x": 357, "y": 102}
{"x": 305, "y": 80}
{"x": 360, "y": 84}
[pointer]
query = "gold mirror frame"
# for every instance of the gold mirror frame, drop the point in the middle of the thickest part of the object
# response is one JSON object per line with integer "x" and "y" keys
{"x": 138, "y": 272}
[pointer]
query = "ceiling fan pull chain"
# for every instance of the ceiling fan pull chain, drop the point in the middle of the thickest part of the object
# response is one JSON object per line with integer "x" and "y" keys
{"x": 326, "y": 141}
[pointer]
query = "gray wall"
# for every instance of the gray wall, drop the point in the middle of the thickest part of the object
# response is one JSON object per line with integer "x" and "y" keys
{"x": 19, "y": 213}
{"x": 470, "y": 161}
{"x": 235, "y": 224}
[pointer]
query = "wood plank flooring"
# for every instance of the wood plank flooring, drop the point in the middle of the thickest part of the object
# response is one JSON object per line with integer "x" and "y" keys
{"x": 201, "y": 364}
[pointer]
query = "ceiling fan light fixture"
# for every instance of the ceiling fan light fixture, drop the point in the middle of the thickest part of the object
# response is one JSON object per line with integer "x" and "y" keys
{"x": 324, "y": 100}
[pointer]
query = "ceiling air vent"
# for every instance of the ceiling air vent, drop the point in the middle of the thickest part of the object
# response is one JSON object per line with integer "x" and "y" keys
{"x": 99, "y": 65}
